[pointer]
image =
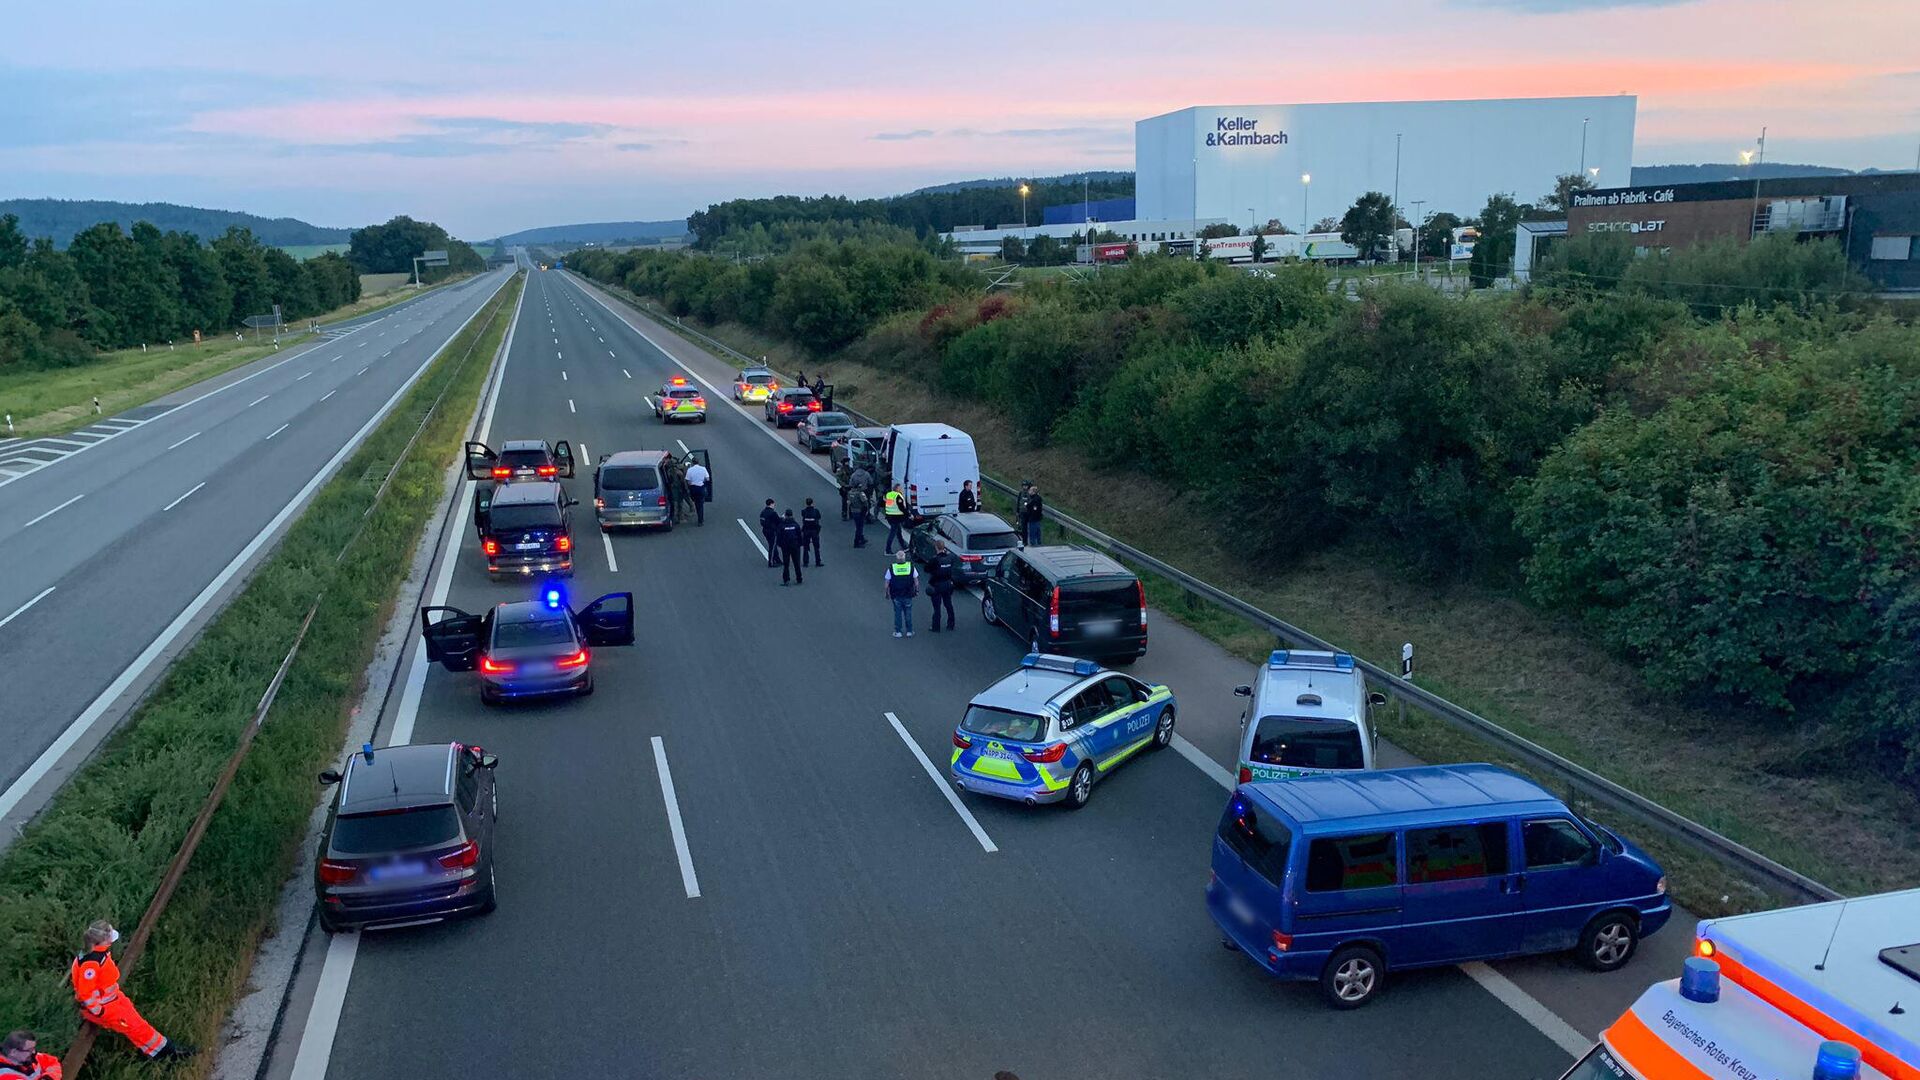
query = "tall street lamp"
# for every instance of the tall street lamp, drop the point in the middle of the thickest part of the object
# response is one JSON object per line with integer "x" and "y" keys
{"x": 1306, "y": 188}
{"x": 1583, "y": 142}
{"x": 1250, "y": 226}
{"x": 1023, "y": 205}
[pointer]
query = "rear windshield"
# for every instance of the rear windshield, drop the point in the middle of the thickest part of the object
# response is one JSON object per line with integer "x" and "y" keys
{"x": 1112, "y": 594}
{"x": 523, "y": 459}
{"x": 683, "y": 392}
{"x": 1256, "y": 837}
{"x": 832, "y": 420}
{"x": 525, "y": 516}
{"x": 630, "y": 478}
{"x": 1000, "y": 724}
{"x": 757, "y": 380}
{"x": 373, "y": 834}
{"x": 992, "y": 541}
{"x": 1307, "y": 744}
{"x": 519, "y": 635}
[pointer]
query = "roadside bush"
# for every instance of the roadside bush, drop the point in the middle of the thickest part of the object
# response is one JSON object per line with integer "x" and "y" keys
{"x": 1233, "y": 309}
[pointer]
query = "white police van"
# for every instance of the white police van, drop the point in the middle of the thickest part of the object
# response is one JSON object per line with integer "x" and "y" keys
{"x": 1309, "y": 712}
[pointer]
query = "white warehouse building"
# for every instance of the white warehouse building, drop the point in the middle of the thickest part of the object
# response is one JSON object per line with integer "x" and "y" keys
{"x": 1249, "y": 164}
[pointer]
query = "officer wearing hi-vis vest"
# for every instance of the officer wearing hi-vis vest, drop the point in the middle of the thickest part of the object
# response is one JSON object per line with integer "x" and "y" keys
{"x": 96, "y": 986}
{"x": 902, "y": 582}
{"x": 21, "y": 1059}
{"x": 895, "y": 511}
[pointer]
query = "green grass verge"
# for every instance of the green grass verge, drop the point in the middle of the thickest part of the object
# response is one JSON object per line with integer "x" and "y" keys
{"x": 101, "y": 846}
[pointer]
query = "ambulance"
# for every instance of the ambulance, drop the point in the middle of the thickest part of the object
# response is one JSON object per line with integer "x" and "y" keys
{"x": 1829, "y": 991}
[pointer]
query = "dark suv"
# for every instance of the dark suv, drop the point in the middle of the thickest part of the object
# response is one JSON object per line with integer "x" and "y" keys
{"x": 527, "y": 528}
{"x": 410, "y": 839}
{"x": 787, "y": 407}
{"x": 1069, "y": 599}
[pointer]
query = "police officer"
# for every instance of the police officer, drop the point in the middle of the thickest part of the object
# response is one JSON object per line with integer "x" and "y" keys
{"x": 863, "y": 479}
{"x": 810, "y": 534}
{"x": 21, "y": 1059}
{"x": 790, "y": 538}
{"x": 969, "y": 500}
{"x": 859, "y": 502}
{"x": 676, "y": 490}
{"x": 843, "y": 475}
{"x": 902, "y": 582}
{"x": 895, "y": 511}
{"x": 942, "y": 573}
{"x": 1033, "y": 513}
{"x": 770, "y": 532}
{"x": 697, "y": 480}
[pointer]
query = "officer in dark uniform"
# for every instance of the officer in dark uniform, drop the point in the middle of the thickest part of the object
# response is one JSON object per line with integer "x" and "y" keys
{"x": 789, "y": 539}
{"x": 810, "y": 534}
{"x": 843, "y": 475}
{"x": 942, "y": 573}
{"x": 770, "y": 532}
{"x": 969, "y": 500}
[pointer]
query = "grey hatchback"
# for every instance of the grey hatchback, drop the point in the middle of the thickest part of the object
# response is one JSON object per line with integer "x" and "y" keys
{"x": 410, "y": 839}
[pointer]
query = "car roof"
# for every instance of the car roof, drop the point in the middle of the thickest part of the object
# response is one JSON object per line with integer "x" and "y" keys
{"x": 756, "y": 370}
{"x": 980, "y": 521}
{"x": 399, "y": 778}
{"x": 1396, "y": 798}
{"x": 526, "y": 611}
{"x": 1029, "y": 690}
{"x": 524, "y": 444}
{"x": 1303, "y": 673}
{"x": 1073, "y": 560}
{"x": 790, "y": 391}
{"x": 635, "y": 457}
{"x": 537, "y": 491}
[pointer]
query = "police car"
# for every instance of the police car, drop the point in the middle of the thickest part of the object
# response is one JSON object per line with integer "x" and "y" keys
{"x": 1307, "y": 713}
{"x": 678, "y": 400}
{"x": 1047, "y": 732}
{"x": 755, "y": 384}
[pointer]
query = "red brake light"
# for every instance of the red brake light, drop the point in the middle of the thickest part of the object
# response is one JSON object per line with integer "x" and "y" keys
{"x": 1050, "y": 755}
{"x": 663, "y": 500}
{"x": 599, "y": 503}
{"x": 491, "y": 547}
{"x": 1282, "y": 941}
{"x": 785, "y": 406}
{"x": 699, "y": 401}
{"x": 814, "y": 405}
{"x": 1141, "y": 586}
{"x": 496, "y": 667}
{"x": 337, "y": 873}
{"x": 1246, "y": 775}
{"x": 578, "y": 659}
{"x": 1053, "y": 613}
{"x": 969, "y": 558}
{"x": 461, "y": 857}
{"x": 564, "y": 543}
{"x": 548, "y": 470}
{"x": 501, "y": 472}
{"x": 961, "y": 741}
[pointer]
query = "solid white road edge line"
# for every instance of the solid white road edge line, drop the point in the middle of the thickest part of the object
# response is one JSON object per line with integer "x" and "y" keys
{"x": 53, "y": 511}
{"x": 674, "y": 824}
{"x": 757, "y": 545}
{"x": 23, "y": 607}
{"x": 91, "y": 715}
{"x": 183, "y": 498}
{"x": 941, "y": 782}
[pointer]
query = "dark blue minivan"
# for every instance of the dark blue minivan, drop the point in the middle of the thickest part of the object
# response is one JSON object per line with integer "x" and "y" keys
{"x": 1344, "y": 877}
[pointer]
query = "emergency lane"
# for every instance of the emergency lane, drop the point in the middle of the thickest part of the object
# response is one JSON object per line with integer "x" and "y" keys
{"x": 847, "y": 920}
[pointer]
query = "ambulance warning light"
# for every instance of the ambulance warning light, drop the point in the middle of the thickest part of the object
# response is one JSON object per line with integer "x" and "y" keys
{"x": 1700, "y": 980}
{"x": 1837, "y": 1061}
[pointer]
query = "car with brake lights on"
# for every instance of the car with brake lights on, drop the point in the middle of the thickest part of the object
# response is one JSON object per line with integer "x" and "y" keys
{"x": 755, "y": 384}
{"x": 785, "y": 408}
{"x": 520, "y": 460}
{"x": 1069, "y": 599}
{"x": 1308, "y": 712}
{"x": 410, "y": 839}
{"x": 630, "y": 488}
{"x": 527, "y": 529}
{"x": 1050, "y": 730}
{"x": 677, "y": 400}
{"x": 977, "y": 541}
{"x": 528, "y": 648}
{"x": 817, "y": 431}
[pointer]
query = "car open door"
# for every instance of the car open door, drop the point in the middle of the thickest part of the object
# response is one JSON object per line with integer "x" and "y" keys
{"x": 608, "y": 620}
{"x": 563, "y": 457}
{"x": 481, "y": 461}
{"x": 700, "y": 455}
{"x": 824, "y": 391}
{"x": 452, "y": 637}
{"x": 482, "y": 509}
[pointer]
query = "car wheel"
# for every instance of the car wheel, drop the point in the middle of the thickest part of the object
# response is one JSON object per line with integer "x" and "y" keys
{"x": 1609, "y": 941}
{"x": 328, "y": 926}
{"x": 488, "y": 698}
{"x": 987, "y": 612}
{"x": 588, "y": 688}
{"x": 1352, "y": 977}
{"x": 1163, "y": 729}
{"x": 1080, "y": 788}
{"x": 491, "y": 904}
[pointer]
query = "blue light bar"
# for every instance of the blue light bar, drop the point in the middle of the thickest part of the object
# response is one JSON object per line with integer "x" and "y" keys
{"x": 1837, "y": 1061}
{"x": 1343, "y": 661}
{"x": 1700, "y": 980}
{"x": 1059, "y": 663}
{"x": 1280, "y": 658}
{"x": 553, "y": 598}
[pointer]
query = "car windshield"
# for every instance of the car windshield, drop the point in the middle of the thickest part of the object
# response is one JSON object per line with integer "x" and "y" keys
{"x": 1303, "y": 743}
{"x": 629, "y": 478}
{"x": 1606, "y": 835}
{"x": 376, "y": 834}
{"x": 523, "y": 459}
{"x": 1001, "y": 724}
{"x": 992, "y": 541}
{"x": 520, "y": 635}
{"x": 525, "y": 516}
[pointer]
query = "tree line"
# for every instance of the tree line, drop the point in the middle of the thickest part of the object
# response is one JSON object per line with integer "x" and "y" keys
{"x": 1712, "y": 458}
{"x": 921, "y": 213}
{"x": 392, "y": 247}
{"x": 112, "y": 289}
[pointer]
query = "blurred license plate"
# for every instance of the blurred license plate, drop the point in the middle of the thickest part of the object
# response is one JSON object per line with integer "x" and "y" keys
{"x": 531, "y": 546}
{"x": 1240, "y": 909}
{"x": 1101, "y": 627}
{"x": 394, "y": 871}
{"x": 992, "y": 560}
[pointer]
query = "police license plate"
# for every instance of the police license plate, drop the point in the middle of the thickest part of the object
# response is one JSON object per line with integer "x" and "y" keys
{"x": 394, "y": 871}
{"x": 995, "y": 750}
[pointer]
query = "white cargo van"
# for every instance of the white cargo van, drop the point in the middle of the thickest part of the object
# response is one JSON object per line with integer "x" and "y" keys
{"x": 928, "y": 463}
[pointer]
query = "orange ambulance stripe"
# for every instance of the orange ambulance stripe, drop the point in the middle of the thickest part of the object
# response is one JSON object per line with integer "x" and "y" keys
{"x": 1647, "y": 1054}
{"x": 1808, "y": 1016}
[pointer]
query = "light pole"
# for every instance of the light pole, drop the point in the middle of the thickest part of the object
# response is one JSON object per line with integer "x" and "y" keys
{"x": 1250, "y": 227}
{"x": 1023, "y": 205}
{"x": 1395, "y": 246}
{"x": 1419, "y": 234}
{"x": 1306, "y": 188}
{"x": 1583, "y": 143}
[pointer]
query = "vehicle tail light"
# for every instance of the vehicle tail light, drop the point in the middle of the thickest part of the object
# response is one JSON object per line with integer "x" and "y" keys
{"x": 814, "y": 405}
{"x": 563, "y": 543}
{"x": 1053, "y": 613}
{"x": 785, "y": 406}
{"x": 497, "y": 667}
{"x": 578, "y": 659}
{"x": 969, "y": 558}
{"x": 1049, "y": 755}
{"x": 700, "y": 401}
{"x": 337, "y": 873}
{"x": 663, "y": 500}
{"x": 491, "y": 547}
{"x": 599, "y": 503}
{"x": 501, "y": 472}
{"x": 1246, "y": 775}
{"x": 548, "y": 470}
{"x": 961, "y": 741}
{"x": 1143, "y": 603}
{"x": 462, "y": 857}
{"x": 1282, "y": 941}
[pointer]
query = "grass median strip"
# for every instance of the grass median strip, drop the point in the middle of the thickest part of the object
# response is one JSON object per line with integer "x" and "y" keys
{"x": 100, "y": 847}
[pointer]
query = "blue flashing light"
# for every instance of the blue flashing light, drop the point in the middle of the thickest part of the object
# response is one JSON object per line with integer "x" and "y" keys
{"x": 1700, "y": 980}
{"x": 1343, "y": 661}
{"x": 1837, "y": 1061}
{"x": 553, "y": 598}
{"x": 1085, "y": 667}
{"x": 366, "y": 750}
{"x": 1032, "y": 659}
{"x": 1277, "y": 659}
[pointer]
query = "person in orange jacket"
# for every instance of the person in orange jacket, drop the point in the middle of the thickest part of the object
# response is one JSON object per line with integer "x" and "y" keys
{"x": 96, "y": 986}
{"x": 20, "y": 1059}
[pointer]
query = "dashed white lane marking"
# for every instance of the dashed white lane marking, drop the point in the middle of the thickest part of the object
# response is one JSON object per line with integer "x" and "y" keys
{"x": 757, "y": 545}
{"x": 627, "y": 373}
{"x": 611, "y": 353}
{"x": 276, "y": 431}
{"x": 563, "y": 375}
{"x": 328, "y": 394}
{"x": 613, "y": 564}
{"x": 570, "y": 407}
{"x": 184, "y": 441}
{"x": 264, "y": 397}
{"x": 362, "y": 371}
{"x": 674, "y": 823}
{"x": 23, "y": 607}
{"x": 303, "y": 377}
{"x": 54, "y": 511}
{"x": 183, "y": 498}
{"x": 966, "y": 815}
{"x": 648, "y": 398}
{"x": 683, "y": 446}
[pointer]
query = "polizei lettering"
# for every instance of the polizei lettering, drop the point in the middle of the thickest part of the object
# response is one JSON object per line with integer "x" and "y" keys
{"x": 1241, "y": 131}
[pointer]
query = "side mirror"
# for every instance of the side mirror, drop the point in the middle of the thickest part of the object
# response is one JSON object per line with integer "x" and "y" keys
{"x": 571, "y": 501}
{"x": 489, "y": 761}
{"x": 1243, "y": 690}
{"x": 1376, "y": 699}
{"x": 331, "y": 776}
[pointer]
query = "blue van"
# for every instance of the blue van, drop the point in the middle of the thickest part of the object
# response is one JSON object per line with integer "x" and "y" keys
{"x": 1344, "y": 877}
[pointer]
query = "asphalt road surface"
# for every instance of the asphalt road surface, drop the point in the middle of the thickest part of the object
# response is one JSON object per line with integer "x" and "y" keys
{"x": 115, "y": 550}
{"x": 730, "y": 861}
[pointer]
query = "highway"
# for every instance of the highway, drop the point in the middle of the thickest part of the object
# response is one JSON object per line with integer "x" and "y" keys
{"x": 740, "y": 857}
{"x": 121, "y": 540}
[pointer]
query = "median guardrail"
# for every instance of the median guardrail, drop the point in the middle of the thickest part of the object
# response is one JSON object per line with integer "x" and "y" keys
{"x": 1583, "y": 781}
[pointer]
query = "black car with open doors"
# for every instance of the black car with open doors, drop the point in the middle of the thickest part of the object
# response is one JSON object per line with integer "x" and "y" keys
{"x": 531, "y": 648}
{"x": 520, "y": 460}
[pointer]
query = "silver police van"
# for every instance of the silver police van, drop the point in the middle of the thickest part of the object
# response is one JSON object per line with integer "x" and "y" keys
{"x": 1309, "y": 712}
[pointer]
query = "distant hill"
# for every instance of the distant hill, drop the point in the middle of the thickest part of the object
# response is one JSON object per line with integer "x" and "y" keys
{"x": 1098, "y": 176}
{"x": 1706, "y": 174}
{"x": 599, "y": 232}
{"x": 61, "y": 218}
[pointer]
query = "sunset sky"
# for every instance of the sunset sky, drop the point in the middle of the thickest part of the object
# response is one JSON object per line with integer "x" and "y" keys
{"x": 506, "y": 116}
